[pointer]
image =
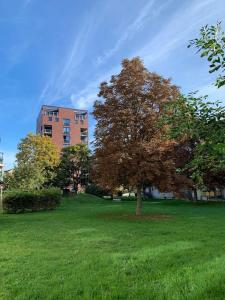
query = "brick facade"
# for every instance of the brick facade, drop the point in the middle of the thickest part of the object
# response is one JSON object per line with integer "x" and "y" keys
{"x": 66, "y": 126}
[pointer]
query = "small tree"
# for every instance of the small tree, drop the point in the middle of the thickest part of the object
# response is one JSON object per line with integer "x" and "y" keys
{"x": 74, "y": 166}
{"x": 36, "y": 159}
{"x": 211, "y": 44}
{"x": 129, "y": 149}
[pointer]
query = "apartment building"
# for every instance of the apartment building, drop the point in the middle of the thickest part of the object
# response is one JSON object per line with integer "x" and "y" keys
{"x": 66, "y": 126}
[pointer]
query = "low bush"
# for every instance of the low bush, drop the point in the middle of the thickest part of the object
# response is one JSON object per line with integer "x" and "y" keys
{"x": 133, "y": 198}
{"x": 128, "y": 198}
{"x": 28, "y": 201}
{"x": 96, "y": 190}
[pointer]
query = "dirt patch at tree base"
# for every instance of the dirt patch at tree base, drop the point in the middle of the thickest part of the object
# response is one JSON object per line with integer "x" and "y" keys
{"x": 130, "y": 217}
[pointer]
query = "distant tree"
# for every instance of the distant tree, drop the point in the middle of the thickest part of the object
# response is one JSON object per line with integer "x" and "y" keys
{"x": 129, "y": 149}
{"x": 8, "y": 180}
{"x": 211, "y": 44}
{"x": 73, "y": 168}
{"x": 200, "y": 125}
{"x": 37, "y": 158}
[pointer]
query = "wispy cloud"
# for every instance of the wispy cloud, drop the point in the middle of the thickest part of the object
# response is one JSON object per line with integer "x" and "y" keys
{"x": 174, "y": 33}
{"x": 63, "y": 79}
{"x": 60, "y": 81}
{"x": 178, "y": 30}
{"x": 87, "y": 96}
{"x": 147, "y": 12}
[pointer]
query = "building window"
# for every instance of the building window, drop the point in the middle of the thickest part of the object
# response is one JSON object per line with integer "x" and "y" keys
{"x": 50, "y": 119}
{"x": 66, "y": 122}
{"x": 66, "y": 139}
{"x": 57, "y": 119}
{"x": 66, "y": 129}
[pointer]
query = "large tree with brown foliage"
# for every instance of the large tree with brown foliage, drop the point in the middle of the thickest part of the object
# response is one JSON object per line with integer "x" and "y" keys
{"x": 129, "y": 148}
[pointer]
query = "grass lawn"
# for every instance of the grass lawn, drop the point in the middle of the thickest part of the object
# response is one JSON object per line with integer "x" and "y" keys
{"x": 90, "y": 249}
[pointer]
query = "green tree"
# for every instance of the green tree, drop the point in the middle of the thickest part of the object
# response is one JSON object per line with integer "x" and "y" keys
{"x": 200, "y": 125}
{"x": 37, "y": 158}
{"x": 211, "y": 44}
{"x": 73, "y": 168}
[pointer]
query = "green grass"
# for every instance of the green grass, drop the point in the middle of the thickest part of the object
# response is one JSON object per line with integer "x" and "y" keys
{"x": 81, "y": 251}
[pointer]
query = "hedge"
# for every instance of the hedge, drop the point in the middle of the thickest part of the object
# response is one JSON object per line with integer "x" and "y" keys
{"x": 29, "y": 201}
{"x": 96, "y": 190}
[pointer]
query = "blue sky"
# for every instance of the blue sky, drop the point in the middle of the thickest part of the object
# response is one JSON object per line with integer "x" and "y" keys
{"x": 57, "y": 52}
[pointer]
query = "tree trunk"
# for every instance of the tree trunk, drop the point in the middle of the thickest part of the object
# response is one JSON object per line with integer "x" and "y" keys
{"x": 75, "y": 186}
{"x": 139, "y": 202}
{"x": 195, "y": 195}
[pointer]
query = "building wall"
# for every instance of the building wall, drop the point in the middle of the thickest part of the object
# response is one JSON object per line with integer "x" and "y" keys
{"x": 57, "y": 127}
{"x": 155, "y": 193}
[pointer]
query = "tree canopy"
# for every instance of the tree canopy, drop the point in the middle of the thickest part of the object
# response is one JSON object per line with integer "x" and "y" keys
{"x": 73, "y": 168}
{"x": 211, "y": 44}
{"x": 37, "y": 158}
{"x": 200, "y": 125}
{"x": 129, "y": 149}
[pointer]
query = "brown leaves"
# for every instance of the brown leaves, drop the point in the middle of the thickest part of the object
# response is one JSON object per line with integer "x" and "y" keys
{"x": 129, "y": 148}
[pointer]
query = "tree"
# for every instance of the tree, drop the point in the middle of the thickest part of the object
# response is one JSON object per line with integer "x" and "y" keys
{"x": 200, "y": 125}
{"x": 129, "y": 149}
{"x": 36, "y": 159}
{"x": 211, "y": 44}
{"x": 73, "y": 168}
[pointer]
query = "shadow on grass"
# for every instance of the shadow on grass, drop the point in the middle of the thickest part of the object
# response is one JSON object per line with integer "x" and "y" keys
{"x": 132, "y": 217}
{"x": 182, "y": 202}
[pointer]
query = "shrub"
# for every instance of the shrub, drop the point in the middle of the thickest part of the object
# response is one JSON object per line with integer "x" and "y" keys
{"x": 128, "y": 198}
{"x": 28, "y": 201}
{"x": 96, "y": 190}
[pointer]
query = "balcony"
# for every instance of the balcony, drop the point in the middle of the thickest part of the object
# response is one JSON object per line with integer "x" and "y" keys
{"x": 47, "y": 130}
{"x": 81, "y": 116}
{"x": 84, "y": 139}
{"x": 84, "y": 135}
{"x": 51, "y": 113}
{"x": 83, "y": 132}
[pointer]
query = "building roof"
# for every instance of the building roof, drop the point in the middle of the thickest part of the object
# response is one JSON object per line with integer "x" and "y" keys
{"x": 57, "y": 107}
